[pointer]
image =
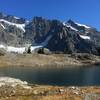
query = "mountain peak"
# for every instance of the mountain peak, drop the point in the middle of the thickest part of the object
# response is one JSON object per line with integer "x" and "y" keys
{"x": 70, "y": 21}
{"x": 73, "y": 23}
{"x": 80, "y": 27}
{"x": 2, "y": 15}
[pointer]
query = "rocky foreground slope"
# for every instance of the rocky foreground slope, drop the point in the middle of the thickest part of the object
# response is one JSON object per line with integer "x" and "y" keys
{"x": 15, "y": 89}
{"x": 66, "y": 37}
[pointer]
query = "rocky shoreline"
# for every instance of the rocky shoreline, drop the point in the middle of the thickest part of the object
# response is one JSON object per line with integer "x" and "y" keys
{"x": 15, "y": 89}
{"x": 52, "y": 60}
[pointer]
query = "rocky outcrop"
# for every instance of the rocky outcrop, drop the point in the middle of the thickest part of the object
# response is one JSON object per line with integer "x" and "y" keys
{"x": 42, "y": 51}
{"x": 83, "y": 56}
{"x": 37, "y": 30}
{"x": 2, "y": 52}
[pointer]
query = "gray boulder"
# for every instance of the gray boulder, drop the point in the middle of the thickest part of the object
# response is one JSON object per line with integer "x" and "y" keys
{"x": 2, "y": 52}
{"x": 42, "y": 51}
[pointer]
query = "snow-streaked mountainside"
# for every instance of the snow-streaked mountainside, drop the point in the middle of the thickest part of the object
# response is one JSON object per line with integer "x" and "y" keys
{"x": 82, "y": 25}
{"x": 69, "y": 26}
{"x": 67, "y": 37}
{"x": 22, "y": 50}
{"x": 20, "y": 26}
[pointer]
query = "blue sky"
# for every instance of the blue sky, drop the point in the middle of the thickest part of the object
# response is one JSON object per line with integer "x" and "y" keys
{"x": 83, "y": 11}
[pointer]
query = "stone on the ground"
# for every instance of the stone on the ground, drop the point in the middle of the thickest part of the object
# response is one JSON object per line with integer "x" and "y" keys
{"x": 2, "y": 52}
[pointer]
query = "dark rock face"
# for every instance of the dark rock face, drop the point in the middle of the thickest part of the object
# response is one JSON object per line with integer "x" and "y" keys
{"x": 37, "y": 30}
{"x": 91, "y": 32}
{"x": 79, "y": 28}
{"x": 70, "y": 42}
{"x": 55, "y": 36}
{"x": 9, "y": 33}
{"x": 11, "y": 36}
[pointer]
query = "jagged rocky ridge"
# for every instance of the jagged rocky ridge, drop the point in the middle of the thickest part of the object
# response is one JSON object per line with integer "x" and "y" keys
{"x": 67, "y": 37}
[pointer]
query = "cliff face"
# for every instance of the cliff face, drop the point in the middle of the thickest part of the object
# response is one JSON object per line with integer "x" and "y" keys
{"x": 68, "y": 37}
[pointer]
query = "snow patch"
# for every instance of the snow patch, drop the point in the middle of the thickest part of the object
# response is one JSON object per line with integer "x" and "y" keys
{"x": 83, "y": 25}
{"x": 13, "y": 82}
{"x": 27, "y": 22}
{"x": 2, "y": 46}
{"x": 20, "y": 26}
{"x": 2, "y": 26}
{"x": 84, "y": 37}
{"x": 46, "y": 41}
{"x": 42, "y": 44}
{"x": 72, "y": 27}
{"x": 64, "y": 23}
{"x": 35, "y": 47}
{"x": 68, "y": 25}
{"x": 16, "y": 17}
{"x": 20, "y": 50}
